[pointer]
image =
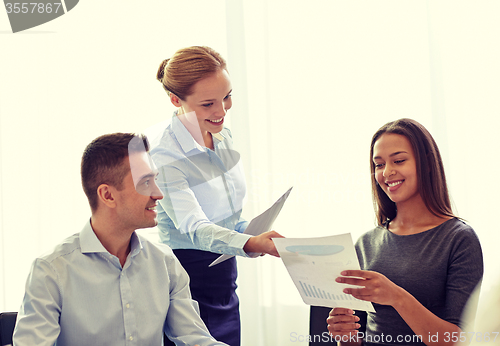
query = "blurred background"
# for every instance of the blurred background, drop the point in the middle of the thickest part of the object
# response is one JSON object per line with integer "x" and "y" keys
{"x": 312, "y": 81}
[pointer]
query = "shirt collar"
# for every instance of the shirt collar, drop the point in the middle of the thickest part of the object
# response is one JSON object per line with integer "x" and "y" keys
{"x": 89, "y": 243}
{"x": 183, "y": 136}
{"x": 135, "y": 244}
{"x": 187, "y": 141}
{"x": 218, "y": 137}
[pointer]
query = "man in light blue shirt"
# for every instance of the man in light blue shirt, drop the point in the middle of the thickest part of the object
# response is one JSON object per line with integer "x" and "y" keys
{"x": 107, "y": 285}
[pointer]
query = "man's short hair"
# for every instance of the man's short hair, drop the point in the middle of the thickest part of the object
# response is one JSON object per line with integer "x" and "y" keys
{"x": 103, "y": 162}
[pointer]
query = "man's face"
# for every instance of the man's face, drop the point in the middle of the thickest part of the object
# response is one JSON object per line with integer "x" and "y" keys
{"x": 137, "y": 201}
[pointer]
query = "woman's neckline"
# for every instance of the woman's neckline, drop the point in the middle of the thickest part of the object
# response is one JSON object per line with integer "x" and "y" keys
{"x": 424, "y": 230}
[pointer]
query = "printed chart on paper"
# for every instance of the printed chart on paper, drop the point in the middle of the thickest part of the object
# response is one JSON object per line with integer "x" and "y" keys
{"x": 315, "y": 263}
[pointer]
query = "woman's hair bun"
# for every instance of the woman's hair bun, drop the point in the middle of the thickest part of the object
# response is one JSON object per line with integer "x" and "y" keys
{"x": 161, "y": 70}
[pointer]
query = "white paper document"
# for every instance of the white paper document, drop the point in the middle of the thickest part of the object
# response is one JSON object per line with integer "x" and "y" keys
{"x": 315, "y": 263}
{"x": 260, "y": 224}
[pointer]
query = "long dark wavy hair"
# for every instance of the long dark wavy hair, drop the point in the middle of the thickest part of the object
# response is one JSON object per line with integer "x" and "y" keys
{"x": 431, "y": 180}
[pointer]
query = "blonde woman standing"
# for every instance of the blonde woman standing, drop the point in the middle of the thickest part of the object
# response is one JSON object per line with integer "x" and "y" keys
{"x": 202, "y": 179}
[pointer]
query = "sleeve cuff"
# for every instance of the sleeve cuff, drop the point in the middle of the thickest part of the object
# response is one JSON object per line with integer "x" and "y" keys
{"x": 238, "y": 242}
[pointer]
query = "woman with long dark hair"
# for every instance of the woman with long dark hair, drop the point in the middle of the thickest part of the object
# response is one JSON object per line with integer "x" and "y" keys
{"x": 421, "y": 263}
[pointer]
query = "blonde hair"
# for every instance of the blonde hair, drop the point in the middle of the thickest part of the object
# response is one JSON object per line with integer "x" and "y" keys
{"x": 186, "y": 67}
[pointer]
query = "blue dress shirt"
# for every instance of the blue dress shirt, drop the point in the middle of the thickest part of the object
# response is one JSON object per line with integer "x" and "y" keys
{"x": 80, "y": 295}
{"x": 204, "y": 192}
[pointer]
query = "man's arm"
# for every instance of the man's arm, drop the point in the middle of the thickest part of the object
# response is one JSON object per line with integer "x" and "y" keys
{"x": 38, "y": 318}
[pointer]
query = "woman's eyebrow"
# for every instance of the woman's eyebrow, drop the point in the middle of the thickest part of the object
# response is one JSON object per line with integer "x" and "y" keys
{"x": 210, "y": 100}
{"x": 391, "y": 155}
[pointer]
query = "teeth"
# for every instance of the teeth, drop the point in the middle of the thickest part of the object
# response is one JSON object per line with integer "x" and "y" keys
{"x": 216, "y": 121}
{"x": 395, "y": 183}
{"x": 151, "y": 208}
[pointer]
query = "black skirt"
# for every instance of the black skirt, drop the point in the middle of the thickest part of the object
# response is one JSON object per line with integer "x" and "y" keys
{"x": 214, "y": 289}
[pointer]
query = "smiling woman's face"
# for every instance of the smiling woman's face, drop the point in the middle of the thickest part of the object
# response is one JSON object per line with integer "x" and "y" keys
{"x": 210, "y": 100}
{"x": 396, "y": 168}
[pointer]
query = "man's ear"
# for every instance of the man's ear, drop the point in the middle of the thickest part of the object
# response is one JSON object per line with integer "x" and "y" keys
{"x": 176, "y": 101}
{"x": 105, "y": 194}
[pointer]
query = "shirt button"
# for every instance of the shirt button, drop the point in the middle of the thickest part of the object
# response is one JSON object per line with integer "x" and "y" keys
{"x": 131, "y": 338}
{"x": 127, "y": 306}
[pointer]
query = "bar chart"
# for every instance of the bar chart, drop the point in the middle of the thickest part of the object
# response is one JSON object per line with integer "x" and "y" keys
{"x": 315, "y": 263}
{"x": 315, "y": 292}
